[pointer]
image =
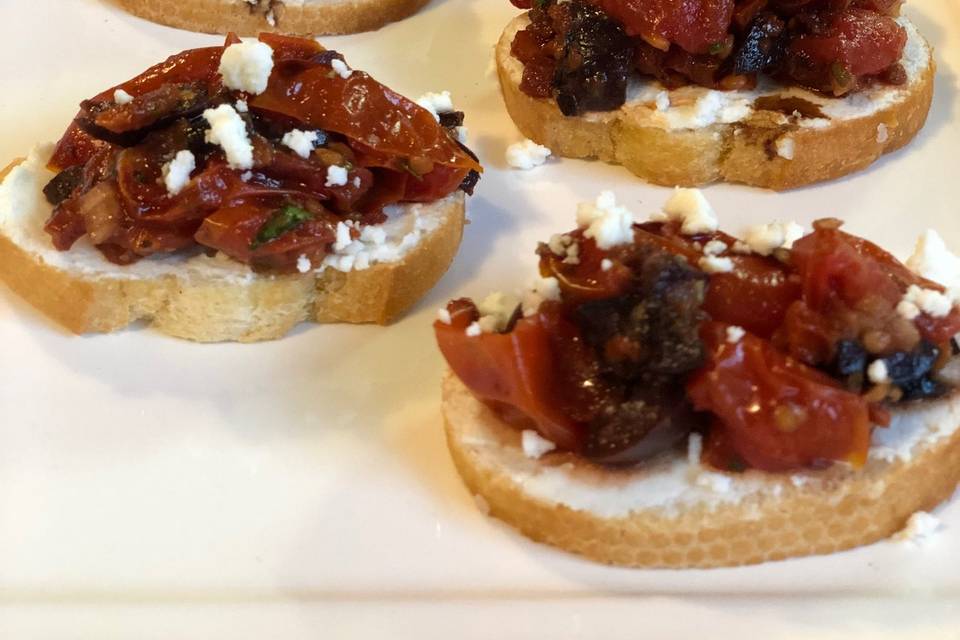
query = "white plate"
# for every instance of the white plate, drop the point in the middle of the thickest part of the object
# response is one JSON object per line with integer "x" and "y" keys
{"x": 152, "y": 487}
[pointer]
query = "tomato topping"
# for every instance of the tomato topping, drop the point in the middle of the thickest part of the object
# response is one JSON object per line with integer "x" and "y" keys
{"x": 192, "y": 66}
{"x": 291, "y": 47}
{"x": 363, "y": 110}
{"x": 516, "y": 368}
{"x": 585, "y": 279}
{"x": 764, "y": 281}
{"x": 694, "y": 25}
{"x": 774, "y": 412}
{"x": 858, "y": 42}
{"x": 580, "y": 52}
{"x": 113, "y": 161}
{"x": 234, "y": 230}
{"x": 852, "y": 287}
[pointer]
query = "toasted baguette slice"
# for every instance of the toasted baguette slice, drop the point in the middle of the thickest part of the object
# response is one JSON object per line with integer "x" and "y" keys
{"x": 675, "y": 514}
{"x": 706, "y": 136}
{"x": 249, "y": 18}
{"x": 211, "y": 299}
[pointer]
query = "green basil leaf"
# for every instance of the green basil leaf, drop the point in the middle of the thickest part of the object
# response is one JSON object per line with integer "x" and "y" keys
{"x": 283, "y": 221}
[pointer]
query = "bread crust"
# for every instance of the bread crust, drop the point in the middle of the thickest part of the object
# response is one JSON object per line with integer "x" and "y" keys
{"x": 831, "y": 510}
{"x": 741, "y": 152}
{"x": 264, "y": 307}
{"x": 222, "y": 16}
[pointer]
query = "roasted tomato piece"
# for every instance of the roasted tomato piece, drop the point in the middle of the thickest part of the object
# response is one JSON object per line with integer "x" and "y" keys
{"x": 291, "y": 47}
{"x": 364, "y": 110}
{"x": 754, "y": 295}
{"x": 583, "y": 278}
{"x": 857, "y": 43}
{"x": 433, "y": 184}
{"x": 888, "y": 7}
{"x": 694, "y": 25}
{"x": 165, "y": 103}
{"x": 773, "y": 412}
{"x": 75, "y": 148}
{"x": 516, "y": 369}
{"x": 239, "y": 232}
{"x": 855, "y": 287}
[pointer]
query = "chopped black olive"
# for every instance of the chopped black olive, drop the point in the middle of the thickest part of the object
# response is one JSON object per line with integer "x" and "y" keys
{"x": 652, "y": 421}
{"x": 762, "y": 47}
{"x": 647, "y": 342}
{"x": 63, "y": 185}
{"x": 451, "y": 119}
{"x": 911, "y": 371}
{"x": 596, "y": 61}
{"x": 472, "y": 178}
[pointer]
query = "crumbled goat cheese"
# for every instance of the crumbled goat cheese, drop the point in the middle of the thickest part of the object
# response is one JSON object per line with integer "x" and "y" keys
{"x": 932, "y": 260}
{"x": 176, "y": 173}
{"x": 882, "y": 134}
{"x": 715, "y": 264}
{"x": 741, "y": 248}
{"x": 694, "y": 449}
{"x": 908, "y": 310}
{"x": 877, "y": 372}
{"x": 608, "y": 223}
{"x": 246, "y": 66}
{"x": 606, "y": 264}
{"x": 710, "y": 108}
{"x": 527, "y": 154}
{"x": 372, "y": 245}
{"x": 241, "y": 106}
{"x": 122, "y": 97}
{"x": 336, "y": 176}
{"x": 436, "y": 103}
{"x": 663, "y": 101}
{"x": 540, "y": 290}
{"x": 785, "y": 147}
{"x": 929, "y": 301}
{"x": 444, "y": 316}
{"x": 714, "y": 482}
{"x": 303, "y": 264}
{"x": 473, "y": 330}
{"x": 558, "y": 244}
{"x": 228, "y": 130}
{"x": 735, "y": 334}
{"x": 691, "y": 208}
{"x": 714, "y": 247}
{"x": 535, "y": 445}
{"x": 495, "y": 311}
{"x": 344, "y": 237}
{"x": 302, "y": 142}
{"x": 340, "y": 68}
{"x": 573, "y": 254}
{"x": 920, "y": 528}
{"x": 271, "y": 18}
{"x": 462, "y": 133}
{"x": 767, "y": 238}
